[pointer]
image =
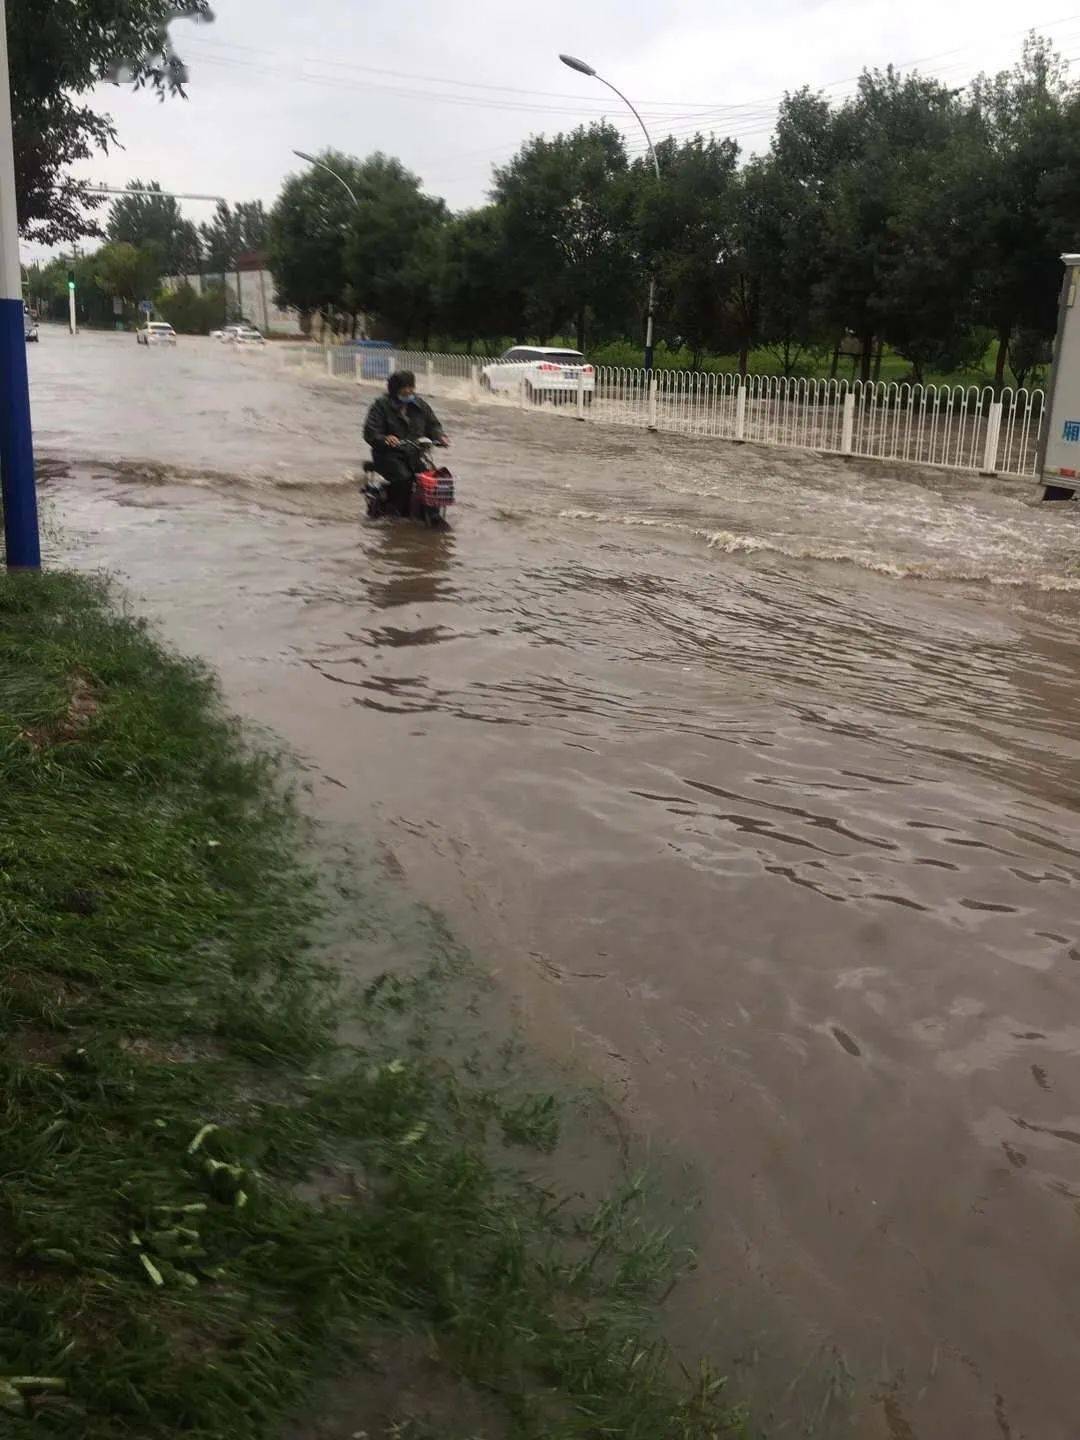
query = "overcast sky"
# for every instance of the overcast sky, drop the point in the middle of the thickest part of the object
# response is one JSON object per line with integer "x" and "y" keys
{"x": 453, "y": 86}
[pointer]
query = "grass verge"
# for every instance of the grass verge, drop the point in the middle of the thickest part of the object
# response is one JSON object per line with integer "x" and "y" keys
{"x": 173, "y": 1074}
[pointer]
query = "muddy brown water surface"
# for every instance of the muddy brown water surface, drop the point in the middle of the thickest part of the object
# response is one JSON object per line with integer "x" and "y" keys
{"x": 754, "y": 774}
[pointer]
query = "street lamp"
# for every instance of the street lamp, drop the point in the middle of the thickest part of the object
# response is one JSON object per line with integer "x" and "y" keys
{"x": 584, "y": 69}
{"x": 322, "y": 165}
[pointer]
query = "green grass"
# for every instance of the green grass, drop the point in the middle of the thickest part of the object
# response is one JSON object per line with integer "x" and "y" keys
{"x": 173, "y": 1077}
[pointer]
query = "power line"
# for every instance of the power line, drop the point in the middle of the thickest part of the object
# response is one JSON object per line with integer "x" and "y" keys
{"x": 689, "y": 110}
{"x": 427, "y": 96}
{"x": 202, "y": 43}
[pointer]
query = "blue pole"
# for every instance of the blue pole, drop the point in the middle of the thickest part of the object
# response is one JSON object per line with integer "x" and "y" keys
{"x": 21, "y": 539}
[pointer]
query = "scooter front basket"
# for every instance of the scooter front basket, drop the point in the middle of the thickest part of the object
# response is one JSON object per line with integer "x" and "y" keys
{"x": 435, "y": 488}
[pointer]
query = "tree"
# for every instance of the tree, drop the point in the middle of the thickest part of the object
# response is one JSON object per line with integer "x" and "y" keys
{"x": 252, "y": 221}
{"x": 381, "y": 255}
{"x": 782, "y": 228}
{"x": 929, "y": 309}
{"x": 50, "y": 286}
{"x": 885, "y": 141}
{"x": 221, "y": 239}
{"x": 1027, "y": 117}
{"x": 568, "y": 214}
{"x": 307, "y": 230}
{"x": 156, "y": 220}
{"x": 686, "y": 234}
{"x": 126, "y": 272}
{"x": 59, "y": 52}
{"x": 232, "y": 233}
{"x": 480, "y": 297}
{"x": 393, "y": 254}
{"x": 191, "y": 313}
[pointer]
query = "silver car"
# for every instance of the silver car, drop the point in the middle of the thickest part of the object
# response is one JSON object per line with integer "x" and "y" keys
{"x": 156, "y": 332}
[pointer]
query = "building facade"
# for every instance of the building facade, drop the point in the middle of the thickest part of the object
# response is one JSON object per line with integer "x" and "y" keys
{"x": 250, "y": 290}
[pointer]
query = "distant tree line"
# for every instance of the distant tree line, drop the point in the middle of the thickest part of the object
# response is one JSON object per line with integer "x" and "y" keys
{"x": 149, "y": 239}
{"x": 912, "y": 214}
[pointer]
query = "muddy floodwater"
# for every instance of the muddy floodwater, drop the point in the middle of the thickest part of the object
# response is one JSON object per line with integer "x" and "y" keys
{"x": 753, "y": 774}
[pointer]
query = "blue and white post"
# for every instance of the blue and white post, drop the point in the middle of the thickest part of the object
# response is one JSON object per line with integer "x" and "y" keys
{"x": 16, "y": 441}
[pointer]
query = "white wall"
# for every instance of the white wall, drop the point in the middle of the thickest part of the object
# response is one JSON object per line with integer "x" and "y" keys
{"x": 255, "y": 291}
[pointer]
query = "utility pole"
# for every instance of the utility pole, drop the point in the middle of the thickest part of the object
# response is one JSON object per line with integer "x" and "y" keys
{"x": 21, "y": 538}
{"x": 72, "y": 321}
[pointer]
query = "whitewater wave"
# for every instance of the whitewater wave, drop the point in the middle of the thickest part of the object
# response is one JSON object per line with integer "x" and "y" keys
{"x": 161, "y": 472}
{"x": 730, "y": 542}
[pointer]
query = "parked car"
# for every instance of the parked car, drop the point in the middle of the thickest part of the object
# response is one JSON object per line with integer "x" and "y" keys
{"x": 30, "y": 329}
{"x": 545, "y": 372}
{"x": 227, "y": 332}
{"x": 156, "y": 332}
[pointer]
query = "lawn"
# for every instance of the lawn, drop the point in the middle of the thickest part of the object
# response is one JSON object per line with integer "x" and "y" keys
{"x": 212, "y": 1199}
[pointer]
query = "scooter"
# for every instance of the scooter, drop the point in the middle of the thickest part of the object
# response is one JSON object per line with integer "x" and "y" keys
{"x": 432, "y": 491}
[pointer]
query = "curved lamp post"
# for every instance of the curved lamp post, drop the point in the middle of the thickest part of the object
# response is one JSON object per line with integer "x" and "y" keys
{"x": 584, "y": 69}
{"x": 322, "y": 165}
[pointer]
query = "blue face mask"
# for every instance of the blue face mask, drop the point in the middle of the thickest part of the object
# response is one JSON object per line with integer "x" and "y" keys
{"x": 406, "y": 399}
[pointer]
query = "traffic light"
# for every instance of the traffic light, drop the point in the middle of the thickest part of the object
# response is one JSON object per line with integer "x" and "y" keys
{"x": 71, "y": 279}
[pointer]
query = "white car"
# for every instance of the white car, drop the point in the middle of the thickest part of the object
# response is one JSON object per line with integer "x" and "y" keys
{"x": 545, "y": 372}
{"x": 156, "y": 332}
{"x": 30, "y": 329}
{"x": 239, "y": 335}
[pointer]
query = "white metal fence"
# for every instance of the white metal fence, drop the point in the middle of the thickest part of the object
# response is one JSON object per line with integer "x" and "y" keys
{"x": 951, "y": 426}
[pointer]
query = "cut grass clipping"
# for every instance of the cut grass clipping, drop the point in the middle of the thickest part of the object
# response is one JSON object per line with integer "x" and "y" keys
{"x": 172, "y": 1073}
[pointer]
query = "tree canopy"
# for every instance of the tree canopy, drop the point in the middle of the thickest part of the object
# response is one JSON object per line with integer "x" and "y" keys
{"x": 234, "y": 231}
{"x": 910, "y": 214}
{"x": 156, "y": 221}
{"x": 58, "y": 53}
{"x": 567, "y": 212}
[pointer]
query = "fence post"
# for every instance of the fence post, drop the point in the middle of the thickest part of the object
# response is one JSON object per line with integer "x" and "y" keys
{"x": 522, "y": 392}
{"x": 847, "y": 437}
{"x": 740, "y": 412}
{"x": 474, "y": 381}
{"x": 330, "y": 360}
{"x": 652, "y": 400}
{"x": 581, "y": 395}
{"x": 993, "y": 436}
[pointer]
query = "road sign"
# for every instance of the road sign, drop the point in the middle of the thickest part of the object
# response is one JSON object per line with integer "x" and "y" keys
{"x": 146, "y": 306}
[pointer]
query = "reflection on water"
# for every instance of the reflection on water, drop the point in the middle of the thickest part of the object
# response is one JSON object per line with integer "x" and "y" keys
{"x": 409, "y": 565}
{"x": 787, "y": 848}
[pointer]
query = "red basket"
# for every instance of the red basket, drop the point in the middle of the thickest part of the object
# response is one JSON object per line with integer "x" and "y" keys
{"x": 435, "y": 488}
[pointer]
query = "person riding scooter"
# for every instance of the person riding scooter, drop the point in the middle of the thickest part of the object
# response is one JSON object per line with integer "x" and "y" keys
{"x": 394, "y": 420}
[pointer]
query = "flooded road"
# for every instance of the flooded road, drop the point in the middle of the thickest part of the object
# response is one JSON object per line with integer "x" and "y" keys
{"x": 755, "y": 776}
